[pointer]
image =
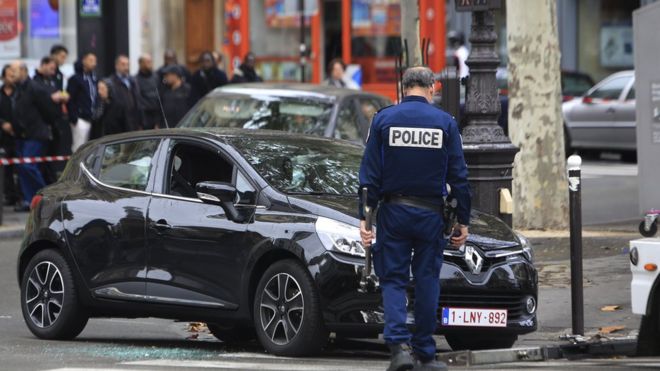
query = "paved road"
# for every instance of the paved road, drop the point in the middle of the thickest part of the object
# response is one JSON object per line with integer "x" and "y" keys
{"x": 154, "y": 344}
{"x": 610, "y": 192}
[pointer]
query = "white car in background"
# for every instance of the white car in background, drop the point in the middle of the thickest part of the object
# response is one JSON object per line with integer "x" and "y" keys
{"x": 645, "y": 292}
{"x": 604, "y": 118}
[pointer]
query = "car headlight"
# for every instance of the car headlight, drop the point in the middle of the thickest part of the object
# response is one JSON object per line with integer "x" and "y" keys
{"x": 526, "y": 247}
{"x": 340, "y": 237}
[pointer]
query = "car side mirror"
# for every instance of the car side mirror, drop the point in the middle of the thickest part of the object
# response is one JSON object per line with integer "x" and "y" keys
{"x": 221, "y": 194}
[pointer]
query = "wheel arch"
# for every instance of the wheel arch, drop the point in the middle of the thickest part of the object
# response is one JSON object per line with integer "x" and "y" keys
{"x": 653, "y": 301}
{"x": 30, "y": 251}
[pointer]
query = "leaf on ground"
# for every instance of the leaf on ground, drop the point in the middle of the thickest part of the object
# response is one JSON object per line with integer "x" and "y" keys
{"x": 610, "y": 329}
{"x": 193, "y": 337}
{"x": 610, "y": 308}
{"x": 196, "y": 327}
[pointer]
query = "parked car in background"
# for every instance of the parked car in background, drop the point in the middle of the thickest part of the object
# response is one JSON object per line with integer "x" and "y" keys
{"x": 573, "y": 84}
{"x": 296, "y": 108}
{"x": 603, "y": 119}
{"x": 254, "y": 232}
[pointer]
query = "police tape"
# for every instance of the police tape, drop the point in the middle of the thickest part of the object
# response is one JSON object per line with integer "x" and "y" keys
{"x": 31, "y": 160}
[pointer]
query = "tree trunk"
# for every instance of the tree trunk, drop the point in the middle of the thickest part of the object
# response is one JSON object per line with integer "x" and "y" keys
{"x": 540, "y": 187}
{"x": 410, "y": 31}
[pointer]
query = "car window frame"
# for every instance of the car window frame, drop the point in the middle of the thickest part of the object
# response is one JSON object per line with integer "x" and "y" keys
{"x": 166, "y": 158}
{"x": 608, "y": 80}
{"x": 94, "y": 173}
{"x": 366, "y": 122}
{"x": 626, "y": 91}
{"x": 348, "y": 100}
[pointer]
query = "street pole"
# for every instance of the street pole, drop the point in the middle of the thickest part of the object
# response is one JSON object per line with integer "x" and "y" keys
{"x": 488, "y": 151}
{"x": 303, "y": 46}
{"x": 575, "y": 205}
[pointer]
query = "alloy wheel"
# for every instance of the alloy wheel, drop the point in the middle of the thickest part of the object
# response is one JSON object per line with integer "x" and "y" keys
{"x": 281, "y": 308}
{"x": 44, "y": 294}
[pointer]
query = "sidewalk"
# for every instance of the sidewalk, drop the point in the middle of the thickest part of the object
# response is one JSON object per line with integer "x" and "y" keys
{"x": 13, "y": 223}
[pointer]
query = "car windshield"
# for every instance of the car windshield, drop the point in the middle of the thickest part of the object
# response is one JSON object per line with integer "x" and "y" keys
{"x": 303, "y": 166}
{"x": 291, "y": 114}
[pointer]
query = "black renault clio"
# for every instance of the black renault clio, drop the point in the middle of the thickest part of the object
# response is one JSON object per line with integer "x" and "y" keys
{"x": 253, "y": 232}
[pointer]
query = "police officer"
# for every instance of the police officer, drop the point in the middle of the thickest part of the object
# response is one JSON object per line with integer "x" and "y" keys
{"x": 413, "y": 150}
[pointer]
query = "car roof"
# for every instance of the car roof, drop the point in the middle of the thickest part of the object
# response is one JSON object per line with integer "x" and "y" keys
{"x": 290, "y": 89}
{"x": 222, "y": 134}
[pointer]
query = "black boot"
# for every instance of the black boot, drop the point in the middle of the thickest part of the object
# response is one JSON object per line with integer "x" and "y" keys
{"x": 401, "y": 359}
{"x": 431, "y": 365}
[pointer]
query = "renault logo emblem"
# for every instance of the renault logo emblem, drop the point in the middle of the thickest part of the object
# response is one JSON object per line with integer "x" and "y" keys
{"x": 474, "y": 261}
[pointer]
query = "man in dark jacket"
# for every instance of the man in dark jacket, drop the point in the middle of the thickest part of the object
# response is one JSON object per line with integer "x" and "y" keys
{"x": 125, "y": 92}
{"x": 175, "y": 96}
{"x": 82, "y": 91}
{"x": 246, "y": 72}
{"x": 148, "y": 84}
{"x": 7, "y": 142}
{"x": 33, "y": 110}
{"x": 59, "y": 53}
{"x": 207, "y": 78}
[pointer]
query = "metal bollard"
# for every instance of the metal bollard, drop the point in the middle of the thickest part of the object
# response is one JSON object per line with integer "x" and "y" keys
{"x": 575, "y": 209}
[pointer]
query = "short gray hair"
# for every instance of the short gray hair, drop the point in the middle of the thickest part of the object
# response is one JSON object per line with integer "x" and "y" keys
{"x": 417, "y": 76}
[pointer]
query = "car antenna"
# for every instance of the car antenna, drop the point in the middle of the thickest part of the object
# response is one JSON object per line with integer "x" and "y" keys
{"x": 162, "y": 111}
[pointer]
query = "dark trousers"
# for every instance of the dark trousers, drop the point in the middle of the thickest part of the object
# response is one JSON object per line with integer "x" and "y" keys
{"x": 29, "y": 175}
{"x": 403, "y": 230}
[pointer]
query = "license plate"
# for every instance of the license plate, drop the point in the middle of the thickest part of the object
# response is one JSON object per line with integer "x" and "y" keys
{"x": 474, "y": 317}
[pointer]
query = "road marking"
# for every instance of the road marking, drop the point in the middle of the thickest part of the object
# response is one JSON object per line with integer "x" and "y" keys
{"x": 5, "y": 317}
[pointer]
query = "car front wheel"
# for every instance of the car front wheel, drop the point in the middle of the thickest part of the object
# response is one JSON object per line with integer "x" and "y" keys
{"x": 287, "y": 313}
{"x": 480, "y": 342}
{"x": 49, "y": 301}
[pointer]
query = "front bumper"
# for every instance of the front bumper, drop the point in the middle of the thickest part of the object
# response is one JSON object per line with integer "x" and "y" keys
{"x": 503, "y": 285}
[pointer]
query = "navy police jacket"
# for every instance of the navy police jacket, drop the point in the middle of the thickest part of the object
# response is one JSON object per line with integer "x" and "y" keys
{"x": 415, "y": 149}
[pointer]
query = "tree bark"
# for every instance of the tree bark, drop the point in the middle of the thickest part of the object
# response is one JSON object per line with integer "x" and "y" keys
{"x": 540, "y": 187}
{"x": 410, "y": 31}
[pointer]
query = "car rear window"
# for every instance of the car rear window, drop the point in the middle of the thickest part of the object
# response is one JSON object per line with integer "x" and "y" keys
{"x": 128, "y": 164}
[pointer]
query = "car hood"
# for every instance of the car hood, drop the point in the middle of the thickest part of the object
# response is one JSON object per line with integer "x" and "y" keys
{"x": 486, "y": 231}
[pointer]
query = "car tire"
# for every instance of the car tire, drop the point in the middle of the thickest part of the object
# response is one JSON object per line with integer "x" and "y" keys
{"x": 287, "y": 311}
{"x": 480, "y": 341}
{"x": 49, "y": 300}
{"x": 231, "y": 334}
{"x": 648, "y": 340}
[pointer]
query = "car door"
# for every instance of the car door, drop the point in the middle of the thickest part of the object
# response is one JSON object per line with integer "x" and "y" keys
{"x": 591, "y": 121}
{"x": 105, "y": 218}
{"x": 194, "y": 249}
{"x": 624, "y": 133}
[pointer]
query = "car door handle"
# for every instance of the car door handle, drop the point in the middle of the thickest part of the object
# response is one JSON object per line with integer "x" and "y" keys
{"x": 610, "y": 110}
{"x": 161, "y": 225}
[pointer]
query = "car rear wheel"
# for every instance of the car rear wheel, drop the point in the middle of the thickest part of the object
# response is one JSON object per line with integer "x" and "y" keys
{"x": 49, "y": 300}
{"x": 287, "y": 313}
{"x": 480, "y": 341}
{"x": 231, "y": 334}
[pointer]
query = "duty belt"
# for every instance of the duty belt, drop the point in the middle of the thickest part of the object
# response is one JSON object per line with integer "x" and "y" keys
{"x": 432, "y": 204}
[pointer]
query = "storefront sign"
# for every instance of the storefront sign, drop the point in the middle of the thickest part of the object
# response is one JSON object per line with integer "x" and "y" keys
{"x": 44, "y": 20}
{"x": 90, "y": 8}
{"x": 10, "y": 43}
{"x": 477, "y": 5}
{"x": 616, "y": 46}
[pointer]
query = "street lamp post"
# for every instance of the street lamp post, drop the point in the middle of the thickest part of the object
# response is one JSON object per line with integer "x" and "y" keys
{"x": 489, "y": 153}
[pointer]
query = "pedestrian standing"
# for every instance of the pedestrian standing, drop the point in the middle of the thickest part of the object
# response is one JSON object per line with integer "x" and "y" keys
{"x": 413, "y": 148}
{"x": 148, "y": 86}
{"x": 125, "y": 92}
{"x": 45, "y": 79}
{"x": 7, "y": 143}
{"x": 108, "y": 116}
{"x": 176, "y": 96}
{"x": 246, "y": 71}
{"x": 461, "y": 52}
{"x": 82, "y": 91}
{"x": 336, "y": 70}
{"x": 207, "y": 78}
{"x": 33, "y": 111}
{"x": 170, "y": 59}
{"x": 59, "y": 53}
